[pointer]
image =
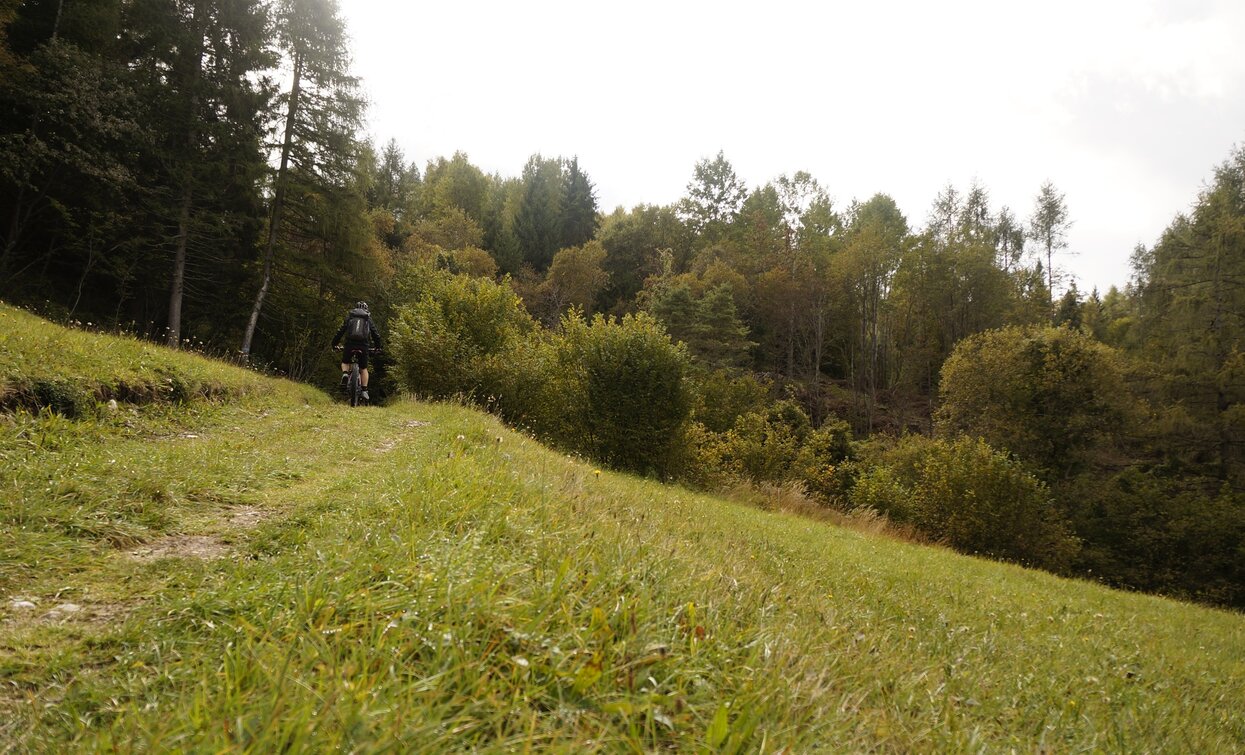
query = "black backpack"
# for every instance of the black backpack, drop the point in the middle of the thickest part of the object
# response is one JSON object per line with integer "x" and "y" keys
{"x": 358, "y": 328}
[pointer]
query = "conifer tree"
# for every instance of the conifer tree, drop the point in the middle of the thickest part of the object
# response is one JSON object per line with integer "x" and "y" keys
{"x": 1191, "y": 298}
{"x": 322, "y": 114}
{"x": 537, "y": 223}
{"x": 579, "y": 207}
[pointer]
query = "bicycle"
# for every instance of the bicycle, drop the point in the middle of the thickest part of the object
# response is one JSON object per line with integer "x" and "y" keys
{"x": 354, "y": 384}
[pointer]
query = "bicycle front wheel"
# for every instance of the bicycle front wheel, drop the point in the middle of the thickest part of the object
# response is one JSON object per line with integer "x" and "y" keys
{"x": 356, "y": 389}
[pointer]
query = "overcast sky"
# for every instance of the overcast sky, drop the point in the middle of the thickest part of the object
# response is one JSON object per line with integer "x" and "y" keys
{"x": 1126, "y": 105}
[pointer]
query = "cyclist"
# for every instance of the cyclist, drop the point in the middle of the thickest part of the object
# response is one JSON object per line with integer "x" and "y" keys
{"x": 358, "y": 330}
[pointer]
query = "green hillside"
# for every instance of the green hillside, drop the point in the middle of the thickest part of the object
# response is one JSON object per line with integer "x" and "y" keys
{"x": 225, "y": 561}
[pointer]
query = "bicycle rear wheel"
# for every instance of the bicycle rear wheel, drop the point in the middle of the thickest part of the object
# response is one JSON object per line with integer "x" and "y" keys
{"x": 355, "y": 388}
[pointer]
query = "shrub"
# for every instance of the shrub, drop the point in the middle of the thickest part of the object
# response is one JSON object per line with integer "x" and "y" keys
{"x": 441, "y": 341}
{"x": 763, "y": 444}
{"x": 621, "y": 386}
{"x": 970, "y": 496}
{"x": 879, "y": 489}
{"x": 820, "y": 463}
{"x": 518, "y": 384}
{"x": 721, "y": 398}
{"x": 1050, "y": 395}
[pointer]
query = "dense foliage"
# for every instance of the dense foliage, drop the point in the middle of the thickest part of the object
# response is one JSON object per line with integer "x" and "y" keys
{"x": 970, "y": 496}
{"x": 1052, "y": 396}
{"x": 191, "y": 170}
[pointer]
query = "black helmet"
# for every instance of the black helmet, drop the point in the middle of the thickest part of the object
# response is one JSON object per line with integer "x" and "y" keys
{"x": 361, "y": 305}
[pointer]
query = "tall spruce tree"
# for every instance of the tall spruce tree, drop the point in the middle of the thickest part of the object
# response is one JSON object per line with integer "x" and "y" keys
{"x": 217, "y": 50}
{"x": 579, "y": 207}
{"x": 537, "y": 223}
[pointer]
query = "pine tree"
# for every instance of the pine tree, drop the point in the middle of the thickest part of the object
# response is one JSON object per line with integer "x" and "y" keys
{"x": 718, "y": 336}
{"x": 322, "y": 114}
{"x": 579, "y": 207}
{"x": 537, "y": 223}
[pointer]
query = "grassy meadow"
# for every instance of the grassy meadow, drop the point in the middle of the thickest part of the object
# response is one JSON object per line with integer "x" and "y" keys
{"x": 227, "y": 562}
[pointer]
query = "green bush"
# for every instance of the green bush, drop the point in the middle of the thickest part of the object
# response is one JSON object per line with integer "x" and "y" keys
{"x": 1052, "y": 396}
{"x": 822, "y": 462}
{"x": 881, "y": 490}
{"x": 763, "y": 444}
{"x": 722, "y": 397}
{"x": 621, "y": 390}
{"x": 774, "y": 443}
{"x": 518, "y": 384}
{"x": 970, "y": 496}
{"x": 442, "y": 340}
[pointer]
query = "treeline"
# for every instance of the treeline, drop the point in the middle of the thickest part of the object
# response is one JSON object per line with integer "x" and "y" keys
{"x": 193, "y": 170}
{"x": 188, "y": 168}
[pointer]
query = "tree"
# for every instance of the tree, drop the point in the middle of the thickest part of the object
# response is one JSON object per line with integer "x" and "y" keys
{"x": 579, "y": 207}
{"x": 791, "y": 232}
{"x": 951, "y": 283}
{"x": 1071, "y": 309}
{"x": 537, "y": 223}
{"x": 396, "y": 184}
{"x": 714, "y": 198}
{"x": 633, "y": 243}
{"x": 876, "y": 236}
{"x": 53, "y": 171}
{"x": 144, "y": 185}
{"x": 1191, "y": 315}
{"x": 449, "y": 229}
{"x": 1048, "y": 227}
{"x": 455, "y": 183}
{"x": 323, "y": 111}
{"x": 672, "y": 302}
{"x": 719, "y": 337}
{"x": 1055, "y": 397}
{"x": 207, "y": 80}
{"x": 501, "y": 206}
{"x": 576, "y": 277}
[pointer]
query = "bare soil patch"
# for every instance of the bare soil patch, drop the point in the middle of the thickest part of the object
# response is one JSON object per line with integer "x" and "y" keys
{"x": 181, "y": 546}
{"x": 247, "y": 517}
{"x": 63, "y": 611}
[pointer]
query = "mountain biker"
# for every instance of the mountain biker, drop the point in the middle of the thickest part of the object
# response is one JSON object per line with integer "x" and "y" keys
{"x": 358, "y": 330}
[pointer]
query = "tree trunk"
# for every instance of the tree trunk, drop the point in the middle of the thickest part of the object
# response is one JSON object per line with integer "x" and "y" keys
{"x": 178, "y": 286}
{"x": 56, "y": 25}
{"x": 10, "y": 241}
{"x": 278, "y": 202}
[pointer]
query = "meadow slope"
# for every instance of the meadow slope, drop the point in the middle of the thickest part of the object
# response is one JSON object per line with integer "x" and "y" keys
{"x": 231, "y": 562}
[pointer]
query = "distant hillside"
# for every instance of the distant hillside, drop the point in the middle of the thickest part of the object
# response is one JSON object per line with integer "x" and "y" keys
{"x": 224, "y": 561}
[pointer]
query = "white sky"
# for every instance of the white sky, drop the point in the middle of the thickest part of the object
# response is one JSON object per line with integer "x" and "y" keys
{"x": 1126, "y": 105}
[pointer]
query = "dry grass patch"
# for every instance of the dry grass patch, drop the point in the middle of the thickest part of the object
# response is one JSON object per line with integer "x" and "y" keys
{"x": 793, "y": 498}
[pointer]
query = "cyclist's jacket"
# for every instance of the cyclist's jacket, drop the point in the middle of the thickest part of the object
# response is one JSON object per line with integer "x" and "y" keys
{"x": 357, "y": 330}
